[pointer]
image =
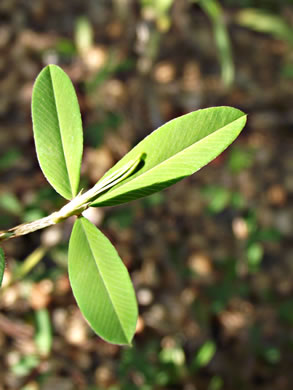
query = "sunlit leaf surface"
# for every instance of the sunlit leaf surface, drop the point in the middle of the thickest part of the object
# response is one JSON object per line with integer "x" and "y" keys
{"x": 57, "y": 130}
{"x": 101, "y": 284}
{"x": 176, "y": 150}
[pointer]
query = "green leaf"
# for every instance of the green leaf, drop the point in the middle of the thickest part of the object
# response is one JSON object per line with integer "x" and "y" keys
{"x": 57, "y": 130}
{"x": 204, "y": 355}
{"x": 2, "y": 265}
{"x": 175, "y": 150}
{"x": 10, "y": 203}
{"x": 101, "y": 284}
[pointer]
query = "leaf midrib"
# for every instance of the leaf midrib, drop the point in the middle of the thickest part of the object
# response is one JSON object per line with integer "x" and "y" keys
{"x": 112, "y": 191}
{"x": 106, "y": 288}
{"x": 60, "y": 133}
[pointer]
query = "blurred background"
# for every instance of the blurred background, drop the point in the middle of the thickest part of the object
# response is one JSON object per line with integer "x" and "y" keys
{"x": 211, "y": 258}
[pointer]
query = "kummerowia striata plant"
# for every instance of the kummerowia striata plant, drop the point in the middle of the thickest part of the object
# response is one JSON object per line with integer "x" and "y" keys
{"x": 99, "y": 280}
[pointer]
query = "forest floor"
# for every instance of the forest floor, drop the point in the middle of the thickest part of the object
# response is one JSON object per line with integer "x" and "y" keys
{"x": 211, "y": 258}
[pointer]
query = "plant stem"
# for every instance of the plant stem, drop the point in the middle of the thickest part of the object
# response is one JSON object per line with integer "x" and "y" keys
{"x": 77, "y": 205}
{"x": 27, "y": 228}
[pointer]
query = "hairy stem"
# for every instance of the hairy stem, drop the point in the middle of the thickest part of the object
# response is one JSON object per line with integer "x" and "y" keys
{"x": 27, "y": 228}
{"x": 77, "y": 205}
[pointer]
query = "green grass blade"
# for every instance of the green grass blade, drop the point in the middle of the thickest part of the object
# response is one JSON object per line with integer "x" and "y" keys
{"x": 101, "y": 284}
{"x": 214, "y": 11}
{"x": 265, "y": 22}
{"x": 2, "y": 265}
{"x": 43, "y": 335}
{"x": 57, "y": 130}
{"x": 175, "y": 150}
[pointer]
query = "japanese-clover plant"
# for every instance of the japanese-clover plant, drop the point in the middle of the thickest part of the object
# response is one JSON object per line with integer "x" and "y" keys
{"x": 99, "y": 280}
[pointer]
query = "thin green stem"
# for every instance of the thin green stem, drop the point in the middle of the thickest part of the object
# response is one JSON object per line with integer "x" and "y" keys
{"x": 26, "y": 266}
